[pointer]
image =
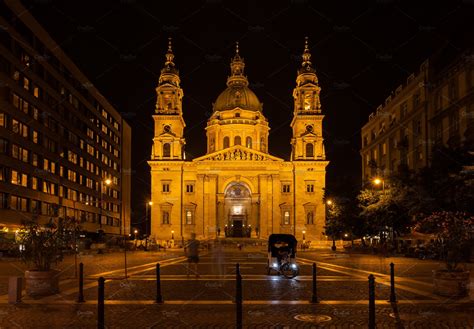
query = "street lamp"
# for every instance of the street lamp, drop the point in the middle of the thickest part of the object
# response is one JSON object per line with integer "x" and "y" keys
{"x": 378, "y": 181}
{"x": 304, "y": 238}
{"x": 172, "y": 235}
{"x": 107, "y": 182}
{"x": 136, "y": 232}
{"x": 148, "y": 204}
{"x": 329, "y": 202}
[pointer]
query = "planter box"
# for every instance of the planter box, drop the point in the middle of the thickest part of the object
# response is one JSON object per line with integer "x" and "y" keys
{"x": 42, "y": 283}
{"x": 451, "y": 284}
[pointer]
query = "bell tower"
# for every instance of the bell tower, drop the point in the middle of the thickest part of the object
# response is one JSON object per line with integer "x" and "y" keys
{"x": 168, "y": 141}
{"x": 307, "y": 140}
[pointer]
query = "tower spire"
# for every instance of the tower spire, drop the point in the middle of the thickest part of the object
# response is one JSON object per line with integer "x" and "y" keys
{"x": 169, "y": 54}
{"x": 306, "y": 66}
{"x": 237, "y": 66}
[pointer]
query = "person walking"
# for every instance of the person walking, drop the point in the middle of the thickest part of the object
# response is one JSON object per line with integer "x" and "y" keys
{"x": 191, "y": 251}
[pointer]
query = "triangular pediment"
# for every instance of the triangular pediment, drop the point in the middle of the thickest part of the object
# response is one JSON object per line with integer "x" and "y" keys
{"x": 237, "y": 153}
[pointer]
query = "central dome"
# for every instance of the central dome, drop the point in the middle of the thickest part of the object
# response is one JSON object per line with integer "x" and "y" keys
{"x": 237, "y": 96}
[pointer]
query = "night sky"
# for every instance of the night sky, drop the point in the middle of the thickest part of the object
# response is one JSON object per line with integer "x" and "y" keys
{"x": 361, "y": 51}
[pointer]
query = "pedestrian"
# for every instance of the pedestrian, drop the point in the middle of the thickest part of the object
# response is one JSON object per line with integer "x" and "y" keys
{"x": 191, "y": 251}
{"x": 218, "y": 231}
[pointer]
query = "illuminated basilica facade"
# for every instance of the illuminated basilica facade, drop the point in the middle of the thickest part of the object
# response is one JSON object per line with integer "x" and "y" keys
{"x": 237, "y": 188}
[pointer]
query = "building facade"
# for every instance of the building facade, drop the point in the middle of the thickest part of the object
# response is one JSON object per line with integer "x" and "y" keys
{"x": 237, "y": 188}
{"x": 64, "y": 150}
{"x": 435, "y": 107}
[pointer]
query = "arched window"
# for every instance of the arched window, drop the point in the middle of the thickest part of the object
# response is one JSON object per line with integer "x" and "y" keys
{"x": 237, "y": 140}
{"x": 166, "y": 150}
{"x": 226, "y": 142}
{"x": 309, "y": 218}
{"x": 309, "y": 150}
{"x": 248, "y": 142}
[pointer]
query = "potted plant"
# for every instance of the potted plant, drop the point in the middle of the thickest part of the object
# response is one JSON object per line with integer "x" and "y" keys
{"x": 454, "y": 234}
{"x": 41, "y": 248}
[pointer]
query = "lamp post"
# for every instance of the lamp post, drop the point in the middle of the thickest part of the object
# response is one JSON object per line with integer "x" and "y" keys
{"x": 304, "y": 238}
{"x": 107, "y": 182}
{"x": 172, "y": 235}
{"x": 149, "y": 203}
{"x": 330, "y": 203}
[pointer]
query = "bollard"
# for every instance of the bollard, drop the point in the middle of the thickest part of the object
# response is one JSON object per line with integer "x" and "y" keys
{"x": 80, "y": 297}
{"x": 314, "y": 297}
{"x": 393, "y": 297}
{"x": 100, "y": 304}
{"x": 159, "y": 297}
{"x": 15, "y": 284}
{"x": 371, "y": 302}
{"x": 238, "y": 296}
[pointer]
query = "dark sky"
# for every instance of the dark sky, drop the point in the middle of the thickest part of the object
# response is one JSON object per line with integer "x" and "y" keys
{"x": 361, "y": 50}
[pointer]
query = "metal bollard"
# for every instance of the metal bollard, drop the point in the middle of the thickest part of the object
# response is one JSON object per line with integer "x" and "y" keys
{"x": 393, "y": 297}
{"x": 159, "y": 297}
{"x": 371, "y": 302}
{"x": 314, "y": 297}
{"x": 80, "y": 297}
{"x": 100, "y": 304}
{"x": 238, "y": 296}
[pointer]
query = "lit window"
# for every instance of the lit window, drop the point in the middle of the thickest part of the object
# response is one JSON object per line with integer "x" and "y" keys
{"x": 286, "y": 217}
{"x": 189, "y": 217}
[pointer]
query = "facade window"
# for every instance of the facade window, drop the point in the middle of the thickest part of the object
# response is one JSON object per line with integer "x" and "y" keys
{"x": 454, "y": 123}
{"x": 34, "y": 183}
{"x": 416, "y": 100}
{"x": 18, "y": 203}
{"x": 310, "y": 218}
{"x": 453, "y": 90}
{"x": 3, "y": 146}
{"x": 226, "y": 142}
{"x": 384, "y": 148}
{"x": 19, "y": 153}
{"x": 237, "y": 140}
{"x": 286, "y": 188}
{"x": 3, "y": 120}
{"x": 189, "y": 188}
{"x": 403, "y": 109}
{"x": 19, "y": 128}
{"x": 3, "y": 174}
{"x": 165, "y": 187}
{"x": 309, "y": 150}
{"x": 286, "y": 217}
{"x": 165, "y": 217}
{"x": 189, "y": 217}
{"x": 3, "y": 201}
{"x": 248, "y": 142}
{"x": 166, "y": 150}
{"x": 310, "y": 188}
{"x": 19, "y": 178}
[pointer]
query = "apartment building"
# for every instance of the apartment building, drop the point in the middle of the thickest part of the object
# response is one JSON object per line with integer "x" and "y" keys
{"x": 433, "y": 107}
{"x": 64, "y": 149}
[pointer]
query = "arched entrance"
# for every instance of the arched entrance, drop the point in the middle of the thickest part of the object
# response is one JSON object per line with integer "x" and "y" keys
{"x": 237, "y": 209}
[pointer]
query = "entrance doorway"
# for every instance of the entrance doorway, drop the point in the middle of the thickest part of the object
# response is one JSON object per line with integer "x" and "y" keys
{"x": 237, "y": 205}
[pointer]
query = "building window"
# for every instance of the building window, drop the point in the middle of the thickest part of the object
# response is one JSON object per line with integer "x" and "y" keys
{"x": 166, "y": 150}
{"x": 416, "y": 100}
{"x": 189, "y": 217}
{"x": 226, "y": 142}
{"x": 248, "y": 142}
{"x": 286, "y": 217}
{"x": 286, "y": 188}
{"x": 309, "y": 218}
{"x": 165, "y": 188}
{"x": 237, "y": 140}
{"x": 453, "y": 90}
{"x": 165, "y": 217}
{"x": 189, "y": 188}
{"x": 3, "y": 120}
{"x": 403, "y": 109}
{"x": 310, "y": 188}
{"x": 384, "y": 148}
{"x": 3, "y": 146}
{"x": 309, "y": 150}
{"x": 18, "y": 203}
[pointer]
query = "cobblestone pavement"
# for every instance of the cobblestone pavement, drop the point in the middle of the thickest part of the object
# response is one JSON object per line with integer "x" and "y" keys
{"x": 269, "y": 301}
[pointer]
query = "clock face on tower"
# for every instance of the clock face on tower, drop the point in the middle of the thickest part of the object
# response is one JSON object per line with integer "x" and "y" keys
{"x": 309, "y": 128}
{"x": 167, "y": 129}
